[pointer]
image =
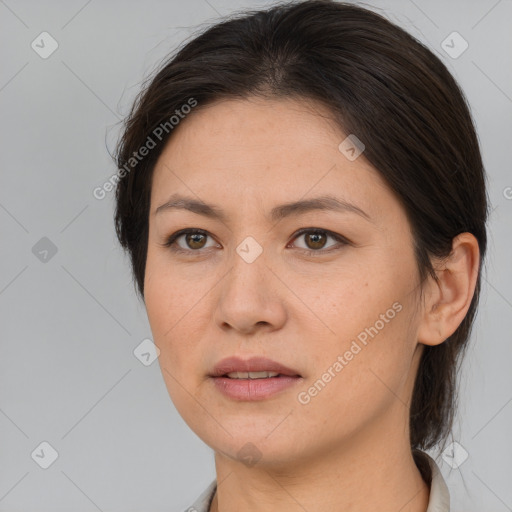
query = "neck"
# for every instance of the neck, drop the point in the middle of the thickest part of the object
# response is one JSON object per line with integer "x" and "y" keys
{"x": 373, "y": 470}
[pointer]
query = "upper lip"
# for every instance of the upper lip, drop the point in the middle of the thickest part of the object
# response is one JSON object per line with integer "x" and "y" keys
{"x": 253, "y": 364}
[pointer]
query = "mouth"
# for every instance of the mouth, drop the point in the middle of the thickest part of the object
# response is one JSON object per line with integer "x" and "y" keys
{"x": 252, "y": 375}
{"x": 253, "y": 368}
{"x": 254, "y": 379}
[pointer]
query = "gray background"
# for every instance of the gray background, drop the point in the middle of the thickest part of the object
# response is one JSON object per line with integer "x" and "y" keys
{"x": 70, "y": 321}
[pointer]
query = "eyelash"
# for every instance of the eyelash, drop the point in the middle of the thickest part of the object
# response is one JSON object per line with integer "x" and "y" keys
{"x": 170, "y": 242}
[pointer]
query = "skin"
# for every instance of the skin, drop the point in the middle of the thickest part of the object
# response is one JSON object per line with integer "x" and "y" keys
{"x": 348, "y": 448}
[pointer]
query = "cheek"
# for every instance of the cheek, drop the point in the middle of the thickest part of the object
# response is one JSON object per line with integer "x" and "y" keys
{"x": 349, "y": 305}
{"x": 346, "y": 395}
{"x": 165, "y": 294}
{"x": 177, "y": 316}
{"x": 169, "y": 322}
{"x": 164, "y": 310}
{"x": 365, "y": 358}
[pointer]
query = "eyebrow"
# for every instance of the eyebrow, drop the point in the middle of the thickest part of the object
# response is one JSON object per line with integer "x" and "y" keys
{"x": 277, "y": 213}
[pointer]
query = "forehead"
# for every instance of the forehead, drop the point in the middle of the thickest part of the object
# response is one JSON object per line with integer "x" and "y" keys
{"x": 254, "y": 149}
{"x": 230, "y": 127}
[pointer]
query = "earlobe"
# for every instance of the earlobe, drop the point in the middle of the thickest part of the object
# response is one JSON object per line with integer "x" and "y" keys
{"x": 450, "y": 296}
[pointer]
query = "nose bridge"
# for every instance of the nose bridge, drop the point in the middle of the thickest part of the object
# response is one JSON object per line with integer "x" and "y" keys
{"x": 249, "y": 260}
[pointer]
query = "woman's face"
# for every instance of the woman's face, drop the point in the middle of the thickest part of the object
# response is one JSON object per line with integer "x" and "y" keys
{"x": 343, "y": 316}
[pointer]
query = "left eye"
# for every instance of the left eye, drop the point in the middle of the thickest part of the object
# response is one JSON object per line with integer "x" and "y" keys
{"x": 316, "y": 239}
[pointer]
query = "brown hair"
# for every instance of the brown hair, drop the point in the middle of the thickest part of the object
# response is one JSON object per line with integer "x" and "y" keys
{"x": 381, "y": 84}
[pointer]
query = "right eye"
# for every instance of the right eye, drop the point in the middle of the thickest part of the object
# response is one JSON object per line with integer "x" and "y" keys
{"x": 193, "y": 238}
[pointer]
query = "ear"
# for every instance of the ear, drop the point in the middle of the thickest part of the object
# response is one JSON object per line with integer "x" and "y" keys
{"x": 448, "y": 299}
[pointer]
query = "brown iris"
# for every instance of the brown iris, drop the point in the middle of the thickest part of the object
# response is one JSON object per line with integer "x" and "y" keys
{"x": 317, "y": 239}
{"x": 194, "y": 240}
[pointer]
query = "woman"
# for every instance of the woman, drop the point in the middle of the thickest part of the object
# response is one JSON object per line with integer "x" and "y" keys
{"x": 303, "y": 200}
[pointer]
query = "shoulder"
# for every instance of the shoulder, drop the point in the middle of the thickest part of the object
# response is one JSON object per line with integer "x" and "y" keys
{"x": 202, "y": 503}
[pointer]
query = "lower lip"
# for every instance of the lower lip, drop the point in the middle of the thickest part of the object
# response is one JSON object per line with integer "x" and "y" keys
{"x": 254, "y": 389}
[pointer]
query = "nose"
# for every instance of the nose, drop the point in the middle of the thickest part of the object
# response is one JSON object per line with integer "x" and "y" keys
{"x": 251, "y": 297}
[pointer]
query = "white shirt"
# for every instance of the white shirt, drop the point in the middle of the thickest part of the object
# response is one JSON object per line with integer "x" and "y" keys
{"x": 439, "y": 499}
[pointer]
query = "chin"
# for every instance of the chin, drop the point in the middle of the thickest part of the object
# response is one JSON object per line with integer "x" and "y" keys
{"x": 254, "y": 449}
